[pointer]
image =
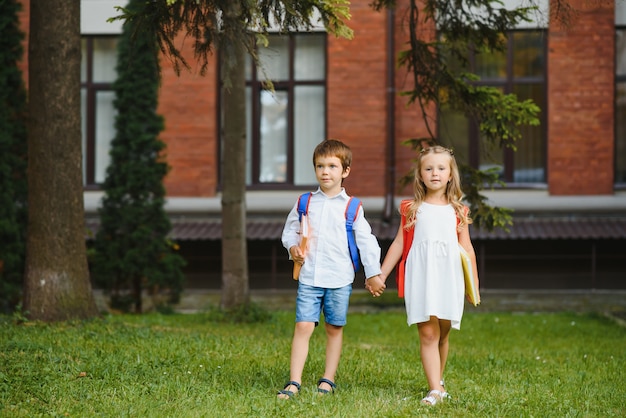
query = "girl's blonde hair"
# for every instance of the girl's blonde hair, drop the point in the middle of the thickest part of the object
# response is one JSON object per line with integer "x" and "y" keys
{"x": 453, "y": 189}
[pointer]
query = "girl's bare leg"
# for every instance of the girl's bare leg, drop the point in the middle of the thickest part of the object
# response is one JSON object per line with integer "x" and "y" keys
{"x": 429, "y": 334}
{"x": 444, "y": 332}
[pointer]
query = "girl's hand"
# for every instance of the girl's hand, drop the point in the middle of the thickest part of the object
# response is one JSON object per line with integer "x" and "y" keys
{"x": 375, "y": 285}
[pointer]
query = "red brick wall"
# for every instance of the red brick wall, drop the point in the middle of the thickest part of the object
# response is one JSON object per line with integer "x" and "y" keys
{"x": 188, "y": 103}
{"x": 580, "y": 105}
{"x": 24, "y": 16}
{"x": 409, "y": 121}
{"x": 356, "y": 112}
{"x": 356, "y": 98}
{"x": 581, "y": 101}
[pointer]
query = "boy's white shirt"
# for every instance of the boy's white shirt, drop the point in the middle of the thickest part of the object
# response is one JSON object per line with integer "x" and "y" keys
{"x": 327, "y": 262}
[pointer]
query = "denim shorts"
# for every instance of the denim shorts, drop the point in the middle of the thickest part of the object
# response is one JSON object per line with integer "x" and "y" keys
{"x": 311, "y": 301}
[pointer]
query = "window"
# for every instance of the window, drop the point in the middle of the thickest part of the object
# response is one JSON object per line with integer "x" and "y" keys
{"x": 519, "y": 70}
{"x": 285, "y": 125}
{"x": 99, "y": 59}
{"x": 620, "y": 106}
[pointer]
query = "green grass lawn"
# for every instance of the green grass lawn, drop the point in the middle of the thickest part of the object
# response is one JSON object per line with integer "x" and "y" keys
{"x": 500, "y": 365}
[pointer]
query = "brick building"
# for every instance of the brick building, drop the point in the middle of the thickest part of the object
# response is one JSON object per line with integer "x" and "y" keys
{"x": 566, "y": 183}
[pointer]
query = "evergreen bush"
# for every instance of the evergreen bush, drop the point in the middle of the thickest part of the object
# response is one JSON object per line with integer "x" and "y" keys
{"x": 132, "y": 252}
{"x": 13, "y": 152}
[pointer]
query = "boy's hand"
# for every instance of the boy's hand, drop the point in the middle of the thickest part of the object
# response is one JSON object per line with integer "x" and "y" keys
{"x": 297, "y": 255}
{"x": 375, "y": 285}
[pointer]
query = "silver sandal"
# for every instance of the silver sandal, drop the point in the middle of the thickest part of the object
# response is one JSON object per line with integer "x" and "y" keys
{"x": 434, "y": 396}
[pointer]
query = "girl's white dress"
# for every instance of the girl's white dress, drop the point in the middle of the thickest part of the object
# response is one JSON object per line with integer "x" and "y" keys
{"x": 434, "y": 283}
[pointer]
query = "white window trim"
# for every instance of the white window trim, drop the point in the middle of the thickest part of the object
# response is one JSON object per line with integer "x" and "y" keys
{"x": 94, "y": 15}
{"x": 620, "y": 12}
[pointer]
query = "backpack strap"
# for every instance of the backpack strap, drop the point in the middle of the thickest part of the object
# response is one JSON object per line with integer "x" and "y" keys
{"x": 407, "y": 242}
{"x": 352, "y": 208}
{"x": 303, "y": 204}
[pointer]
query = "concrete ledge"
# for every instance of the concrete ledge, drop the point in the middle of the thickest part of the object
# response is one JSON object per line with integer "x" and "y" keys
{"x": 280, "y": 202}
{"x": 553, "y": 300}
{"x": 600, "y": 301}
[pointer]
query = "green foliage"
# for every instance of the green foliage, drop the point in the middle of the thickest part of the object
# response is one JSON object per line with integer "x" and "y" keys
{"x": 439, "y": 70}
{"x": 200, "y": 19}
{"x": 131, "y": 251}
{"x": 483, "y": 214}
{"x": 13, "y": 158}
{"x": 499, "y": 365}
{"x": 19, "y": 315}
{"x": 232, "y": 27}
{"x": 499, "y": 115}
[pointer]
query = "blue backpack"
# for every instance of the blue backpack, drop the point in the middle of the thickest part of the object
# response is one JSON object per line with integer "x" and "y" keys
{"x": 351, "y": 210}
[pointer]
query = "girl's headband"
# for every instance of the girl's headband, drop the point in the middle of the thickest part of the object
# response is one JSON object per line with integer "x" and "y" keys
{"x": 438, "y": 147}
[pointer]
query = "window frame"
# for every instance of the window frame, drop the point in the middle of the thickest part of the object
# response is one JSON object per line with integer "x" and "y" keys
{"x": 508, "y": 84}
{"x": 91, "y": 88}
{"x": 256, "y": 87}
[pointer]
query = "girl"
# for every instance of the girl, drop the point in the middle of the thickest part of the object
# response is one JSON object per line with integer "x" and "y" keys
{"x": 429, "y": 275}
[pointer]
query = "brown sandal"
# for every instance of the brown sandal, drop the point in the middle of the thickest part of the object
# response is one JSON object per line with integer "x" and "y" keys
{"x": 330, "y": 383}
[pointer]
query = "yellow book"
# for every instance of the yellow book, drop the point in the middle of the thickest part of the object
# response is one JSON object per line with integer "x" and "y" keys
{"x": 471, "y": 291}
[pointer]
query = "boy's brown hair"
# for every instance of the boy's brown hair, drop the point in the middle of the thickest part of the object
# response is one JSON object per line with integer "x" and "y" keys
{"x": 334, "y": 148}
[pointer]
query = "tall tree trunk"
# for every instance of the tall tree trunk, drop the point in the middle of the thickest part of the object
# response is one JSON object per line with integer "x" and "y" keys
{"x": 235, "y": 285}
{"x": 57, "y": 285}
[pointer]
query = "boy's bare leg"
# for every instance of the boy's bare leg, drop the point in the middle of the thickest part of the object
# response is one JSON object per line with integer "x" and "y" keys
{"x": 299, "y": 352}
{"x": 334, "y": 342}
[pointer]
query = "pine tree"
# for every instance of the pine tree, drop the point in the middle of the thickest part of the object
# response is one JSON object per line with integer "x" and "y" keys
{"x": 13, "y": 145}
{"x": 132, "y": 251}
{"x": 225, "y": 26}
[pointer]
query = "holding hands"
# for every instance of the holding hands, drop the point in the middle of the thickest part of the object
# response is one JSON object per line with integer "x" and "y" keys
{"x": 375, "y": 285}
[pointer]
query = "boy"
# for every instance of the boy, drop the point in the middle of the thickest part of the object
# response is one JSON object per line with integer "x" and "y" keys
{"x": 325, "y": 280}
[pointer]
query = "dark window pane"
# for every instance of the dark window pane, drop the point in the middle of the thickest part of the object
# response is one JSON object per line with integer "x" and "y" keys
{"x": 454, "y": 131}
{"x": 248, "y": 134}
{"x": 491, "y": 157}
{"x": 83, "y": 60}
{"x": 529, "y": 158}
{"x": 620, "y": 133}
{"x": 520, "y": 70}
{"x": 490, "y": 65}
{"x": 528, "y": 53}
{"x": 620, "y": 106}
{"x": 620, "y": 52}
